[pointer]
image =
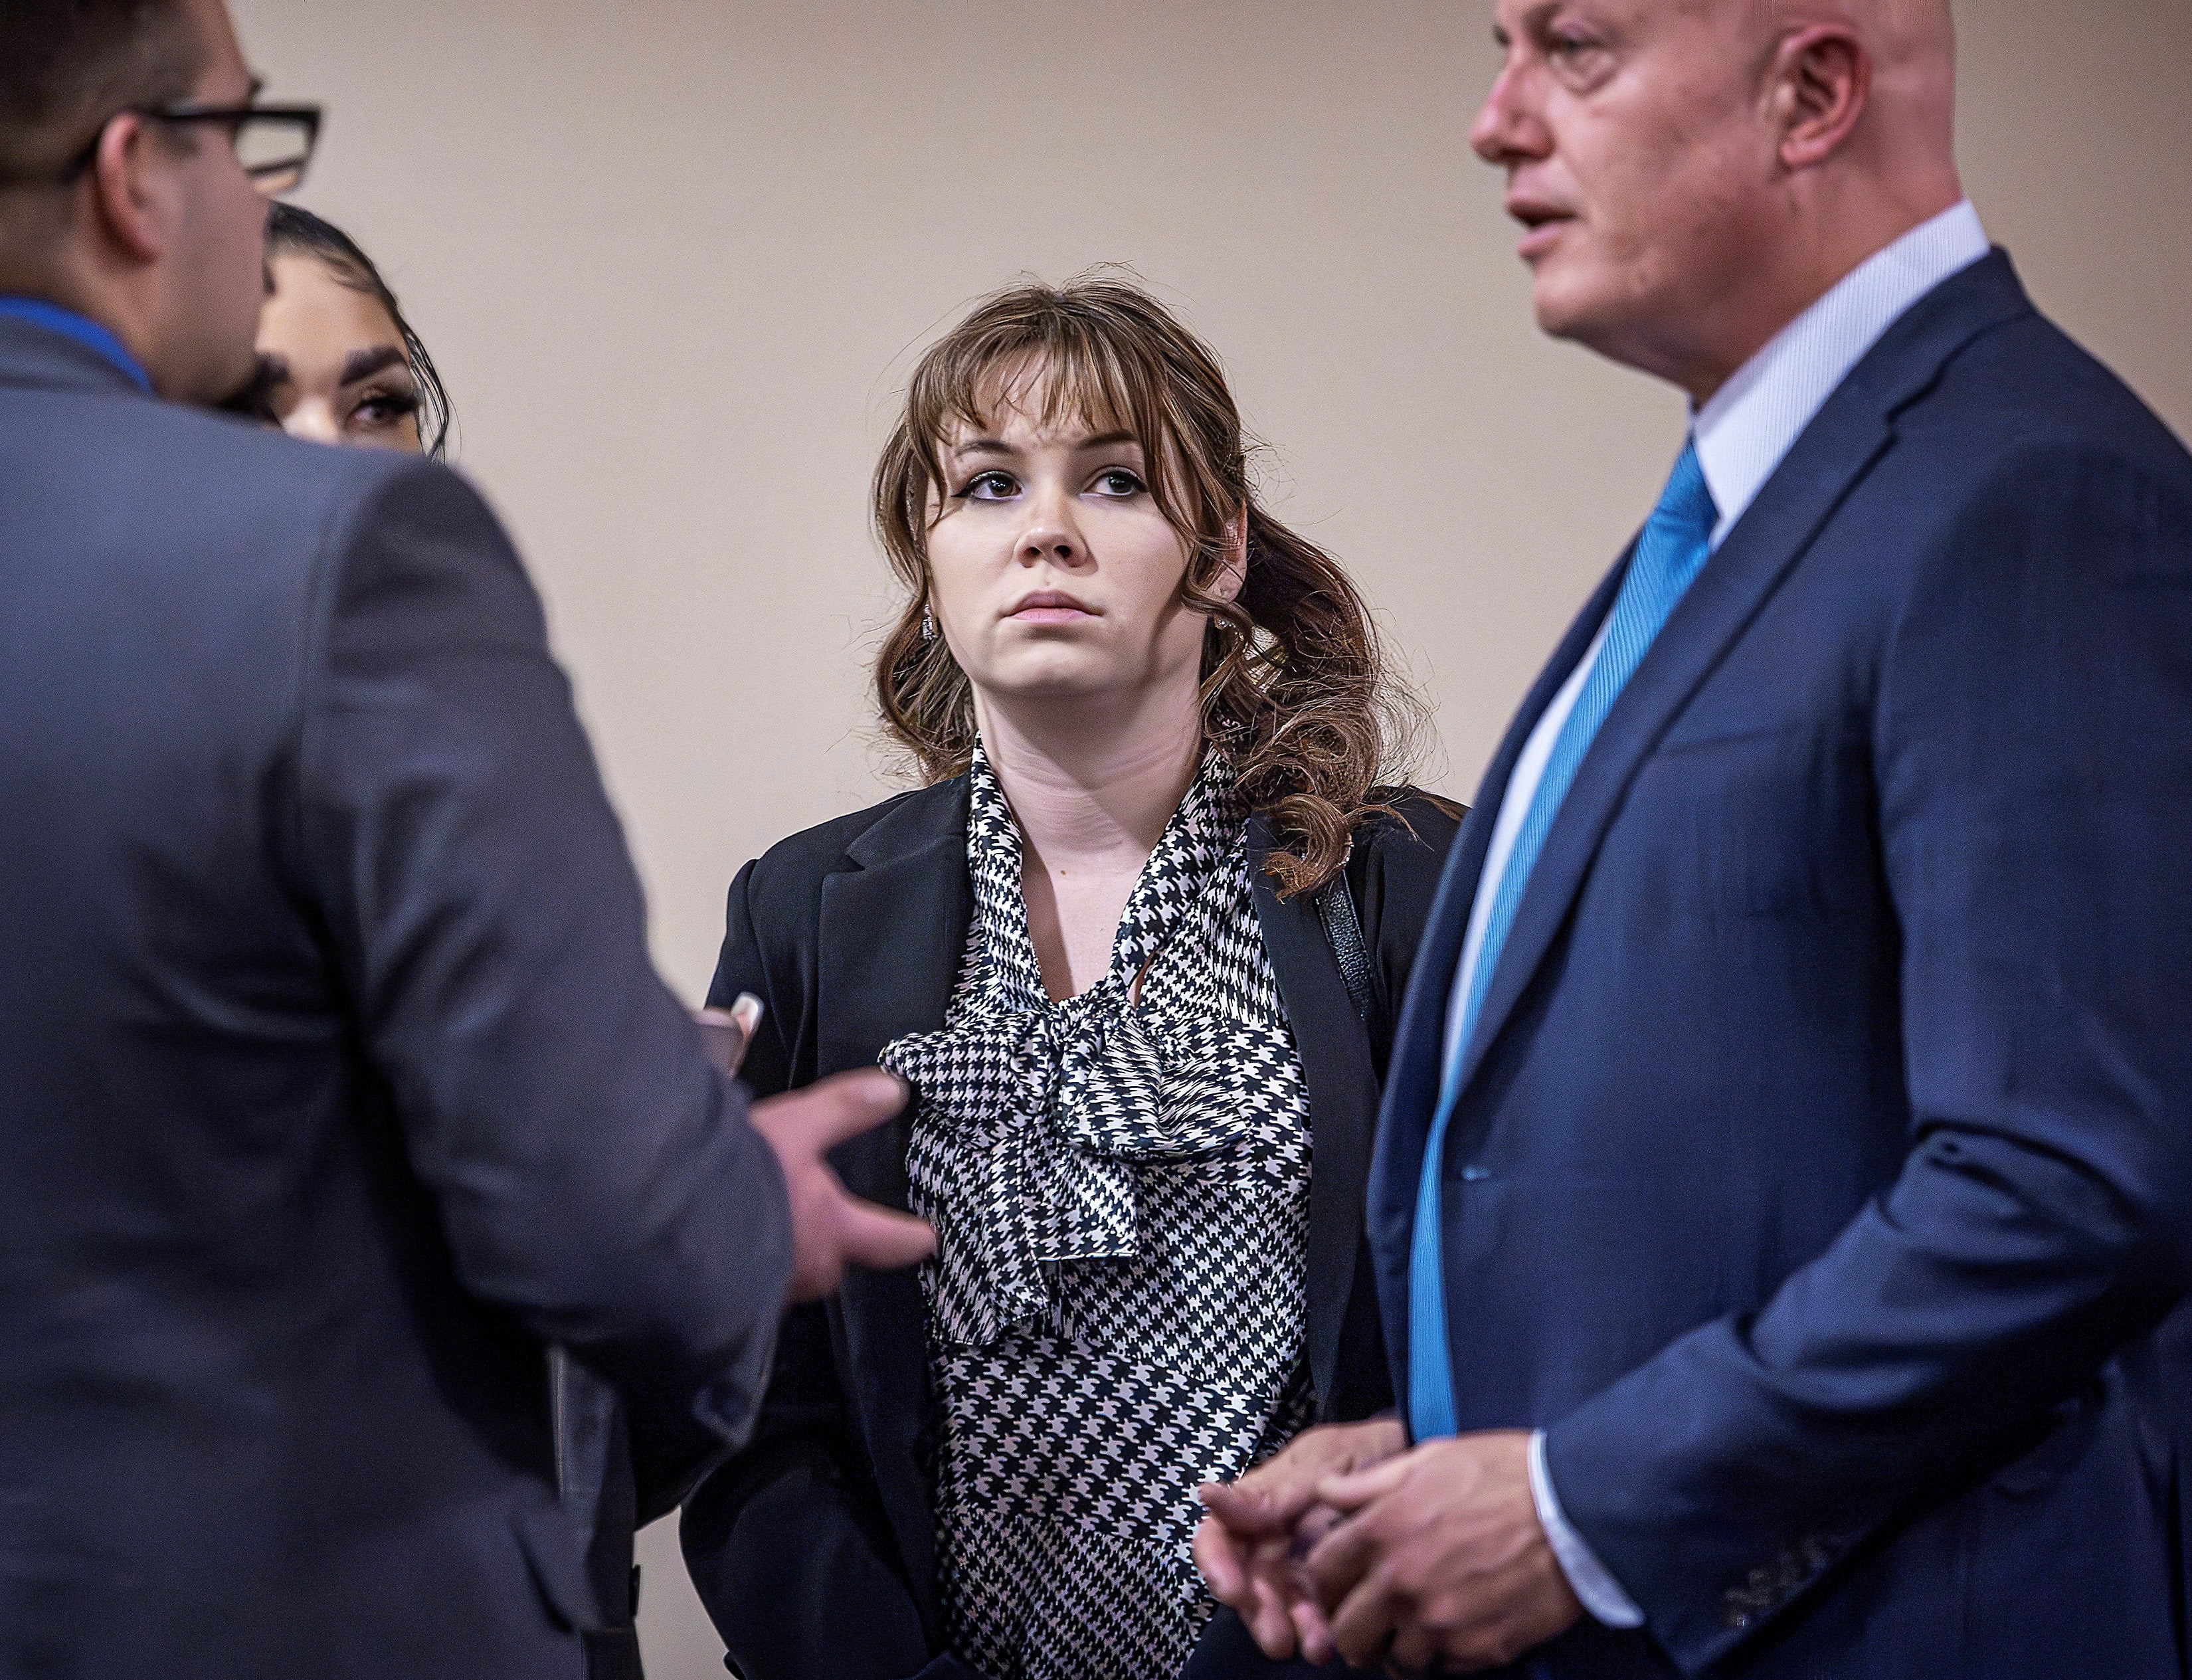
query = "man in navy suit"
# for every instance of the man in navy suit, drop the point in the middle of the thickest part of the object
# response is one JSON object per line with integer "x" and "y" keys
{"x": 1786, "y": 1158}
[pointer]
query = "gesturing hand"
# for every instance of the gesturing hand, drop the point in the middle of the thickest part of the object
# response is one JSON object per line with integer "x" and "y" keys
{"x": 1441, "y": 1559}
{"x": 831, "y": 1229}
{"x": 1248, "y": 1546}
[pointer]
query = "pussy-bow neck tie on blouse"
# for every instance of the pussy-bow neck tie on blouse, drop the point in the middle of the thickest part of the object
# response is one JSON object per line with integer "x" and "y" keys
{"x": 1032, "y": 1115}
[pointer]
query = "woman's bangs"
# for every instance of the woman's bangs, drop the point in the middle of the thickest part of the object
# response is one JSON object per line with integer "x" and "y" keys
{"x": 1065, "y": 384}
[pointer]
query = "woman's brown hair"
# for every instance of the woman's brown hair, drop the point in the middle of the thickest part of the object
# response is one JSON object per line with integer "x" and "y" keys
{"x": 1295, "y": 692}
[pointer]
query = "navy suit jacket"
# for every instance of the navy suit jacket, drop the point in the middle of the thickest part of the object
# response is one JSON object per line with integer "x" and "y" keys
{"x": 1827, "y": 1133}
{"x": 334, "y": 1078}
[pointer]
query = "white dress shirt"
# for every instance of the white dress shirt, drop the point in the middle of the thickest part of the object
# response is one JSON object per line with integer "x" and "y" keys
{"x": 1741, "y": 435}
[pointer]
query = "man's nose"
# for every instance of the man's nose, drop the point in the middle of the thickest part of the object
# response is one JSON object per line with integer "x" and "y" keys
{"x": 1506, "y": 132}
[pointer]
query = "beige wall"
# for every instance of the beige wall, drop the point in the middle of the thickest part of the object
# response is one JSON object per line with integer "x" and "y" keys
{"x": 675, "y": 258}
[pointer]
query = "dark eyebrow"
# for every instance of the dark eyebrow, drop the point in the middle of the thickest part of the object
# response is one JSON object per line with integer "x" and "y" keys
{"x": 364, "y": 363}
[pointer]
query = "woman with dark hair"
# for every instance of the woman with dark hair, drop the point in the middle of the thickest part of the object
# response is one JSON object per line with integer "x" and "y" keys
{"x": 1136, "y": 945}
{"x": 338, "y": 362}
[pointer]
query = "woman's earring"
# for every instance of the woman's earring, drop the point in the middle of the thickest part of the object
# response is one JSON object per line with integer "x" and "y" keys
{"x": 928, "y": 626}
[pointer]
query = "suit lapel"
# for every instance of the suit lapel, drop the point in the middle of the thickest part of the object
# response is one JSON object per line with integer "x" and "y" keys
{"x": 1412, "y": 1074}
{"x": 1849, "y": 433}
{"x": 893, "y": 930}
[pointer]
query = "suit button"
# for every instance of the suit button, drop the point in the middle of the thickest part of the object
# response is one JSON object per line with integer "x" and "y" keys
{"x": 1473, "y": 1173}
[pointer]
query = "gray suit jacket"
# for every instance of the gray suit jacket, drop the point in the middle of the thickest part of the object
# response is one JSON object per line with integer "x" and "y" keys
{"x": 334, "y": 1078}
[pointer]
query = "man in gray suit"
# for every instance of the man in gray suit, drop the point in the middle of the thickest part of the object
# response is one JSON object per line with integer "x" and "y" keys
{"x": 334, "y": 1080}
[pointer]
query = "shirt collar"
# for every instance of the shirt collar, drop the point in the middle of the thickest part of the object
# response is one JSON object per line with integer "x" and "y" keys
{"x": 1751, "y": 421}
{"x": 81, "y": 328}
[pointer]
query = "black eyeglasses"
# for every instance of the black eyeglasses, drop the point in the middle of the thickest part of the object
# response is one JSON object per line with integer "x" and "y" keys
{"x": 273, "y": 142}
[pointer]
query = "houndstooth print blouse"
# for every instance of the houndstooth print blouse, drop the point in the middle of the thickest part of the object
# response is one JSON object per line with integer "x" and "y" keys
{"x": 1120, "y": 1187}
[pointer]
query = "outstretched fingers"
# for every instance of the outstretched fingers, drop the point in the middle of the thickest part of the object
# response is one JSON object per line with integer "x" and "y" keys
{"x": 881, "y": 1238}
{"x": 831, "y": 1111}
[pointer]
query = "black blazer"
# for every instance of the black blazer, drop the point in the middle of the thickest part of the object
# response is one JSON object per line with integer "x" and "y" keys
{"x": 334, "y": 1077}
{"x": 814, "y": 1549}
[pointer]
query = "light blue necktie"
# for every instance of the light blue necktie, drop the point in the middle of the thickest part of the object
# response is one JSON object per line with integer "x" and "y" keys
{"x": 1669, "y": 553}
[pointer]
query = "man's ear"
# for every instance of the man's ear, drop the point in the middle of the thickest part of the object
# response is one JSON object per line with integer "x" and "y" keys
{"x": 1821, "y": 83}
{"x": 132, "y": 187}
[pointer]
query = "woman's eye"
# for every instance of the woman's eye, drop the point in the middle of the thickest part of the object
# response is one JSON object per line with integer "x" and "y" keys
{"x": 387, "y": 408}
{"x": 1118, "y": 481}
{"x": 989, "y": 487}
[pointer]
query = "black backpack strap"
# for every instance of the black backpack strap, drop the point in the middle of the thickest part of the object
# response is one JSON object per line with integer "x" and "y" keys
{"x": 1343, "y": 931}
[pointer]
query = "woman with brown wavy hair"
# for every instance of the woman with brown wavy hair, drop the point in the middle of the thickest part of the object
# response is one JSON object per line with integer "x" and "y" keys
{"x": 1136, "y": 945}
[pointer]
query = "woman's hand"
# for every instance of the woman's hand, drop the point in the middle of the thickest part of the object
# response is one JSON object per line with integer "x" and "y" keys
{"x": 1250, "y": 1545}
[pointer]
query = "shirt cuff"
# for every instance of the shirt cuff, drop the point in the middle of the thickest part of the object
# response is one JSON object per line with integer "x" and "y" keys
{"x": 1602, "y": 1595}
